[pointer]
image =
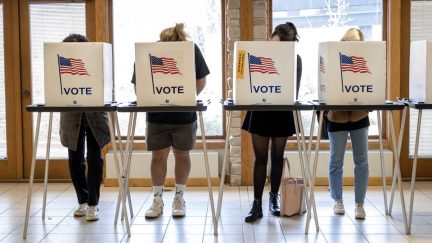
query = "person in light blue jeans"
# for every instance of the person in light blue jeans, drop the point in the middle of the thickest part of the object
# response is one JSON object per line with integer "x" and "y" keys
{"x": 339, "y": 125}
{"x": 359, "y": 140}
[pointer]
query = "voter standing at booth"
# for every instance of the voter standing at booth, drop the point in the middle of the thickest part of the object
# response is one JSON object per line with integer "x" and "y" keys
{"x": 339, "y": 125}
{"x": 77, "y": 130}
{"x": 274, "y": 126}
{"x": 173, "y": 129}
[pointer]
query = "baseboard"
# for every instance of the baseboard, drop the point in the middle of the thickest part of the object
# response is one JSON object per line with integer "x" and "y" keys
{"x": 169, "y": 182}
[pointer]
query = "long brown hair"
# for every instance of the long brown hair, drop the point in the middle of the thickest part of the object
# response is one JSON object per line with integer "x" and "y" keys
{"x": 175, "y": 33}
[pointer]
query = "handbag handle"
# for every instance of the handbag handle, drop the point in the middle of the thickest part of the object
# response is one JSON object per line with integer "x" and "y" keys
{"x": 286, "y": 161}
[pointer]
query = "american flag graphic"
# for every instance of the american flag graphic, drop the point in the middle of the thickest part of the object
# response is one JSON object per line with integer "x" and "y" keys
{"x": 353, "y": 64}
{"x": 262, "y": 65}
{"x": 321, "y": 64}
{"x": 164, "y": 65}
{"x": 72, "y": 66}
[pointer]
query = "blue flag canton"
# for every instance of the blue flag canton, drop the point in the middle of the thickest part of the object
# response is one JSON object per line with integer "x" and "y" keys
{"x": 156, "y": 60}
{"x": 346, "y": 59}
{"x": 255, "y": 60}
{"x": 65, "y": 61}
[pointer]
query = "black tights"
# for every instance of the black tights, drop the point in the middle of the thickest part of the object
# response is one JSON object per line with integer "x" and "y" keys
{"x": 260, "y": 147}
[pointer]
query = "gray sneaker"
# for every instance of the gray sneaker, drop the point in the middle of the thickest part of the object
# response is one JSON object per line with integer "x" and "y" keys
{"x": 92, "y": 213}
{"x": 339, "y": 208}
{"x": 156, "y": 209}
{"x": 178, "y": 206}
{"x": 359, "y": 211}
{"x": 81, "y": 211}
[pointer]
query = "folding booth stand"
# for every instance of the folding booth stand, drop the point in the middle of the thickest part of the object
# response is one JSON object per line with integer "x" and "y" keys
{"x": 133, "y": 109}
{"x": 420, "y": 107}
{"x": 388, "y": 106}
{"x": 41, "y": 108}
{"x": 303, "y": 153}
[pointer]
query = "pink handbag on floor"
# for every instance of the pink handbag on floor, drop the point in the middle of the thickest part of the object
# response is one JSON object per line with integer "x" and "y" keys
{"x": 292, "y": 194}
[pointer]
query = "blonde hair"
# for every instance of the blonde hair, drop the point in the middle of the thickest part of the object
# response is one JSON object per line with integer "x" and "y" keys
{"x": 175, "y": 33}
{"x": 353, "y": 34}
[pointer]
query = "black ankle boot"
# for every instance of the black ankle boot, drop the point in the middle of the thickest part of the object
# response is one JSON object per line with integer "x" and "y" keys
{"x": 255, "y": 213}
{"x": 274, "y": 204}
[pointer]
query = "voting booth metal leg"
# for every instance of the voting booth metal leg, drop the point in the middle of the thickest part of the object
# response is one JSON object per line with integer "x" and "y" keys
{"x": 383, "y": 173}
{"x": 397, "y": 171}
{"x": 47, "y": 164}
{"x": 114, "y": 144}
{"x": 119, "y": 175}
{"x": 30, "y": 188}
{"x": 414, "y": 170}
{"x": 304, "y": 162}
{"x": 222, "y": 180}
{"x": 208, "y": 171}
{"x": 124, "y": 167}
{"x": 300, "y": 146}
{"x": 128, "y": 159}
{"x": 313, "y": 174}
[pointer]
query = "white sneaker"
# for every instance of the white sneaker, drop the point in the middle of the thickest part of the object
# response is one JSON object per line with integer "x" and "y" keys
{"x": 81, "y": 210}
{"x": 156, "y": 209}
{"x": 359, "y": 211}
{"x": 92, "y": 213}
{"x": 178, "y": 206}
{"x": 338, "y": 207}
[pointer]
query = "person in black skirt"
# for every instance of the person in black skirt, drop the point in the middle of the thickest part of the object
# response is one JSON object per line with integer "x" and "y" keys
{"x": 274, "y": 126}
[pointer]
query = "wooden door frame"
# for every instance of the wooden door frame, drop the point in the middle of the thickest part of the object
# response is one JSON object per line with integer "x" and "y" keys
{"x": 11, "y": 167}
{"x": 97, "y": 28}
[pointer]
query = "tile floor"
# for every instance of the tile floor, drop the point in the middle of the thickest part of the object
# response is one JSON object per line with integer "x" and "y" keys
{"x": 60, "y": 226}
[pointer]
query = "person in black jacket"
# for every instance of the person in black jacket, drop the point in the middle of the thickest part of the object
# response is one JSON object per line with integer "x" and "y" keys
{"x": 274, "y": 126}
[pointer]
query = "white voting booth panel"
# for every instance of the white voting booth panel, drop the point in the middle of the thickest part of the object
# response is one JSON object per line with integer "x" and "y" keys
{"x": 420, "y": 86}
{"x": 78, "y": 74}
{"x": 165, "y": 73}
{"x": 264, "y": 72}
{"x": 352, "y": 72}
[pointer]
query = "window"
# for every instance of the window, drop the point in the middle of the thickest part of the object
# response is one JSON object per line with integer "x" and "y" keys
{"x": 421, "y": 29}
{"x": 142, "y": 21}
{"x": 50, "y": 23}
{"x": 319, "y": 21}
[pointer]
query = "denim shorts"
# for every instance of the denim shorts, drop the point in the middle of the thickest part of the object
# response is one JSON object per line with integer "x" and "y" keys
{"x": 179, "y": 136}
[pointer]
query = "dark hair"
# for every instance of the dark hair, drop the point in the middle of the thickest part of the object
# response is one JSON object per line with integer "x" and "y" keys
{"x": 75, "y": 38}
{"x": 286, "y": 32}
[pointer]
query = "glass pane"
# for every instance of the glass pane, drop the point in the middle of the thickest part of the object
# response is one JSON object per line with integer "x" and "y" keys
{"x": 319, "y": 21}
{"x": 421, "y": 29}
{"x": 50, "y": 23}
{"x": 3, "y": 148}
{"x": 141, "y": 21}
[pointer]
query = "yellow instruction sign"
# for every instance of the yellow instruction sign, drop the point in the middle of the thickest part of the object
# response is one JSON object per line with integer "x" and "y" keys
{"x": 240, "y": 64}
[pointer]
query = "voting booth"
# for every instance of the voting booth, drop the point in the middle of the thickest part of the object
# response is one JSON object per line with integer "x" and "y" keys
{"x": 78, "y": 74}
{"x": 420, "y": 82}
{"x": 264, "y": 73}
{"x": 352, "y": 72}
{"x": 165, "y": 73}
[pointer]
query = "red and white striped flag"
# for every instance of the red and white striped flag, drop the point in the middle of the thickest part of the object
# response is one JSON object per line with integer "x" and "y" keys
{"x": 72, "y": 66}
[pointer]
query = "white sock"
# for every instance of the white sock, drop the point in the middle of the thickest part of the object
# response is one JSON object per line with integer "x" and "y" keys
{"x": 180, "y": 189}
{"x": 158, "y": 191}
